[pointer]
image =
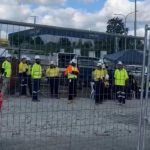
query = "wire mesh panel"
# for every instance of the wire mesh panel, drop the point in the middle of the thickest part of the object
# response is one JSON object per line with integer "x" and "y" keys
{"x": 54, "y": 122}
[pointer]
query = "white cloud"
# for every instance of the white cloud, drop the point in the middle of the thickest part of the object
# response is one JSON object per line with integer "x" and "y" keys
{"x": 75, "y": 18}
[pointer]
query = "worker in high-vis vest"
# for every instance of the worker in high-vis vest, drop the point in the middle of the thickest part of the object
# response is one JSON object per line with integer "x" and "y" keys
{"x": 121, "y": 76}
{"x": 52, "y": 74}
{"x": 23, "y": 69}
{"x": 99, "y": 78}
{"x": 71, "y": 73}
{"x": 6, "y": 75}
{"x": 106, "y": 83}
{"x": 36, "y": 74}
{"x": 29, "y": 75}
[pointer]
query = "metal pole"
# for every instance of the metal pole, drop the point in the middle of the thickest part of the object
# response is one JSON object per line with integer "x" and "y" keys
{"x": 142, "y": 91}
{"x": 135, "y": 24}
{"x": 146, "y": 97}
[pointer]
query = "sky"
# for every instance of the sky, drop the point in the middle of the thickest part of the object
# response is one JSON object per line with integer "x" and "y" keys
{"x": 81, "y": 14}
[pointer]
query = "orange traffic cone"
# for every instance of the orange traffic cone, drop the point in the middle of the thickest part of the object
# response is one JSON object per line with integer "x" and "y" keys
{"x": 1, "y": 101}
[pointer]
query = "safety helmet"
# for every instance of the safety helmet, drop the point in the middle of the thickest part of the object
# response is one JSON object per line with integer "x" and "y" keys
{"x": 51, "y": 62}
{"x": 73, "y": 61}
{"x": 23, "y": 57}
{"x": 120, "y": 63}
{"x": 37, "y": 57}
{"x": 28, "y": 58}
{"x": 99, "y": 64}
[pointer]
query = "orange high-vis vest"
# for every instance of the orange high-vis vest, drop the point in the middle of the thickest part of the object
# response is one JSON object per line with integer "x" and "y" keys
{"x": 69, "y": 70}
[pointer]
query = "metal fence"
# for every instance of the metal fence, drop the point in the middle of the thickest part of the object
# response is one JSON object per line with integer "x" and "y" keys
{"x": 53, "y": 124}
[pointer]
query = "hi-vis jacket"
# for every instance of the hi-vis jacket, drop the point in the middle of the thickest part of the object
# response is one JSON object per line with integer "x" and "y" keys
{"x": 71, "y": 72}
{"x": 36, "y": 72}
{"x": 52, "y": 72}
{"x": 23, "y": 67}
{"x": 120, "y": 77}
{"x": 99, "y": 74}
{"x": 7, "y": 68}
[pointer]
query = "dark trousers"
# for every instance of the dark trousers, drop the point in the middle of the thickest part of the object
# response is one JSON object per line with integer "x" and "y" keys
{"x": 29, "y": 84}
{"x": 54, "y": 85}
{"x": 36, "y": 89}
{"x": 99, "y": 91}
{"x": 23, "y": 83}
{"x": 72, "y": 89}
{"x": 121, "y": 95}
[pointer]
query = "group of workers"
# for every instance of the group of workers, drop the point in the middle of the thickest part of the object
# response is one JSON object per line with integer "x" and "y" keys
{"x": 102, "y": 81}
{"x": 30, "y": 77}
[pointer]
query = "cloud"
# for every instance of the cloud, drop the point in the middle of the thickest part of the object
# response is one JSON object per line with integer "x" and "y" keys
{"x": 37, "y": 2}
{"x": 88, "y": 1}
{"x": 67, "y": 16}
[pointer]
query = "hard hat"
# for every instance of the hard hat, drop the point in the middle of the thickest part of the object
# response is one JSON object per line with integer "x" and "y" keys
{"x": 28, "y": 58}
{"x": 103, "y": 66}
{"x": 101, "y": 61}
{"x": 51, "y": 62}
{"x": 119, "y": 62}
{"x": 107, "y": 77}
{"x": 37, "y": 57}
{"x": 73, "y": 61}
{"x": 8, "y": 55}
{"x": 99, "y": 64}
{"x": 23, "y": 57}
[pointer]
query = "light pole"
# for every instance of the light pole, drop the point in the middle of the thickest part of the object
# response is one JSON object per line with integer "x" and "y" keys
{"x": 125, "y": 25}
{"x": 135, "y": 24}
{"x": 125, "y": 20}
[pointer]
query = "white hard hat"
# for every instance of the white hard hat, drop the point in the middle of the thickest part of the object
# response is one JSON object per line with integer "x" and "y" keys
{"x": 51, "y": 62}
{"x": 101, "y": 61}
{"x": 8, "y": 55}
{"x": 73, "y": 61}
{"x": 37, "y": 57}
{"x": 23, "y": 57}
{"x": 120, "y": 63}
{"x": 107, "y": 77}
{"x": 103, "y": 66}
{"x": 28, "y": 58}
{"x": 99, "y": 64}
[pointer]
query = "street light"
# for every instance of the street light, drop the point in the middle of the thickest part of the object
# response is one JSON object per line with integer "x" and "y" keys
{"x": 125, "y": 20}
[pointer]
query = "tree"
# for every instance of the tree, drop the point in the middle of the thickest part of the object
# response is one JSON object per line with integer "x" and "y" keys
{"x": 115, "y": 25}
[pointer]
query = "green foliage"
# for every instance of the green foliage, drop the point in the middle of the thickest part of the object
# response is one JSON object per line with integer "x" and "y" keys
{"x": 115, "y": 25}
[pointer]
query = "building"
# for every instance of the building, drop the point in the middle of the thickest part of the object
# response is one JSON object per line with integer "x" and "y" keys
{"x": 48, "y": 39}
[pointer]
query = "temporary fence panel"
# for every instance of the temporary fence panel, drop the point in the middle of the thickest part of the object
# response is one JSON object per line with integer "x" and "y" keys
{"x": 56, "y": 124}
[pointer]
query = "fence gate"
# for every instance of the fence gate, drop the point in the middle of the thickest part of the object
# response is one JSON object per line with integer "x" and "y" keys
{"x": 52, "y": 123}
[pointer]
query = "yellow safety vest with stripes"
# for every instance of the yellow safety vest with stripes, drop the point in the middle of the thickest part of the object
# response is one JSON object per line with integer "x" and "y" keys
{"x": 36, "y": 72}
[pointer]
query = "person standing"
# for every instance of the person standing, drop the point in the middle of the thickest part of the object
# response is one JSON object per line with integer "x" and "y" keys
{"x": 52, "y": 74}
{"x": 99, "y": 78}
{"x": 121, "y": 76}
{"x": 71, "y": 73}
{"x": 6, "y": 74}
{"x": 29, "y": 75}
{"x": 36, "y": 74}
{"x": 23, "y": 68}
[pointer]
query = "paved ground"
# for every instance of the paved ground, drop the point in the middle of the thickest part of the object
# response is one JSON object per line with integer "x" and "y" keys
{"x": 52, "y": 124}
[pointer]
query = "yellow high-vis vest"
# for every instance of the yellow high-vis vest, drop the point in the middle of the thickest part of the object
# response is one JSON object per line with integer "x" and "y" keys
{"x": 98, "y": 74}
{"x": 52, "y": 72}
{"x": 36, "y": 72}
{"x": 22, "y": 67}
{"x": 120, "y": 77}
{"x": 7, "y": 68}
